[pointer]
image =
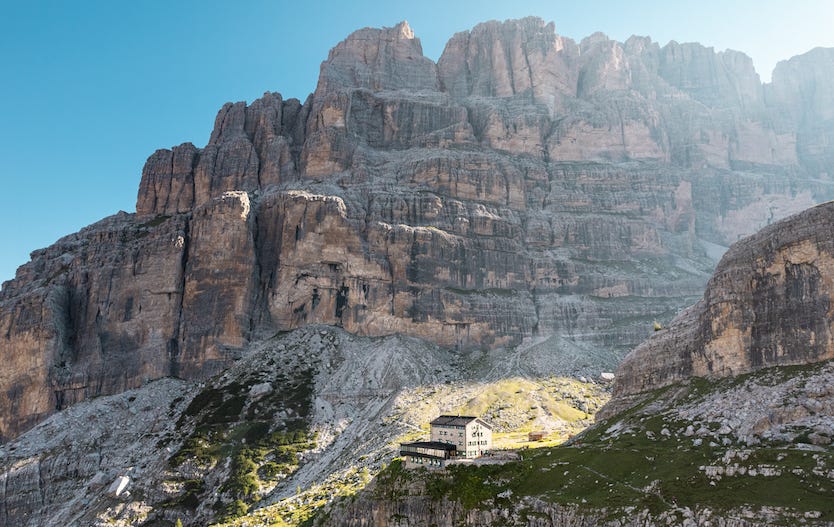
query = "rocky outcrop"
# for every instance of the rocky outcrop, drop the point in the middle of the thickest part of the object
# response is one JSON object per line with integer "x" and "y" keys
{"x": 96, "y": 313}
{"x": 524, "y": 187}
{"x": 423, "y": 511}
{"x": 768, "y": 304}
{"x": 251, "y": 147}
{"x": 517, "y": 57}
{"x": 378, "y": 60}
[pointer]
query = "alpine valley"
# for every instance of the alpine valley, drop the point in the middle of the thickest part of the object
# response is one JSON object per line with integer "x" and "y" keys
{"x": 482, "y": 235}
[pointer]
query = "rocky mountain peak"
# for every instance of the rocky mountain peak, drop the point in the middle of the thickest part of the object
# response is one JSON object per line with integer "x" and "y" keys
{"x": 406, "y": 31}
{"x": 592, "y": 40}
{"x": 722, "y": 80}
{"x": 390, "y": 58}
{"x": 500, "y": 59}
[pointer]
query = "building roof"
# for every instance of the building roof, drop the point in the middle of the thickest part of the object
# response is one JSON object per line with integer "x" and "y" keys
{"x": 436, "y": 445}
{"x": 429, "y": 450}
{"x": 457, "y": 420}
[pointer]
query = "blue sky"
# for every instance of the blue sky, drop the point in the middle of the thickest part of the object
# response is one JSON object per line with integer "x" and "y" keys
{"x": 89, "y": 89}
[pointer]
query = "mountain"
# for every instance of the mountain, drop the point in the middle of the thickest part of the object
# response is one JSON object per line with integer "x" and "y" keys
{"x": 524, "y": 186}
{"x": 724, "y": 418}
{"x": 292, "y": 299}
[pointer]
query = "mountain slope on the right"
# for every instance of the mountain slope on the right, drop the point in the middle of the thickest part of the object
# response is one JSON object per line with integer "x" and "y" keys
{"x": 769, "y": 303}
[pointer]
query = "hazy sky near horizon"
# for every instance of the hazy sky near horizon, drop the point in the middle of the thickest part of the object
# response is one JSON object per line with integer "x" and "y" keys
{"x": 91, "y": 88}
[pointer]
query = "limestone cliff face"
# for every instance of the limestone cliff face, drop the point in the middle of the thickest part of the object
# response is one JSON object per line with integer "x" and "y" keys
{"x": 525, "y": 186}
{"x": 769, "y": 303}
{"x": 798, "y": 96}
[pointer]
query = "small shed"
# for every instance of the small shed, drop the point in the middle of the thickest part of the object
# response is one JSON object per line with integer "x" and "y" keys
{"x": 535, "y": 436}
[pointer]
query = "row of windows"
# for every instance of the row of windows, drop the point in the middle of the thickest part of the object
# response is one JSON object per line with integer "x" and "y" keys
{"x": 473, "y": 443}
{"x": 424, "y": 461}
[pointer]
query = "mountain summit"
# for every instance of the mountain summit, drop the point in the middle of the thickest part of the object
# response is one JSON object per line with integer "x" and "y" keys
{"x": 525, "y": 188}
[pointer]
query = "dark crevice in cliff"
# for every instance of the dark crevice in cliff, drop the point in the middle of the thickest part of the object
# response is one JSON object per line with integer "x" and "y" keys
{"x": 254, "y": 152}
{"x": 260, "y": 303}
{"x": 526, "y": 53}
{"x": 341, "y": 303}
{"x": 535, "y": 327}
{"x": 195, "y": 162}
{"x": 392, "y": 287}
{"x": 177, "y": 339}
{"x": 622, "y": 129}
{"x": 508, "y": 61}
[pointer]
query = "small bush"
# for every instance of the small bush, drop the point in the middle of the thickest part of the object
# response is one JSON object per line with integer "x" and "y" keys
{"x": 243, "y": 481}
{"x": 236, "y": 509}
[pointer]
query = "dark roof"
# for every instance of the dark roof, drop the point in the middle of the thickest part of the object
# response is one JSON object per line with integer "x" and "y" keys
{"x": 428, "y": 450}
{"x": 457, "y": 420}
{"x": 437, "y": 445}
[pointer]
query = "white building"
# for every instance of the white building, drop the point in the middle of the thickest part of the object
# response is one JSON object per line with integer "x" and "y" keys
{"x": 471, "y": 436}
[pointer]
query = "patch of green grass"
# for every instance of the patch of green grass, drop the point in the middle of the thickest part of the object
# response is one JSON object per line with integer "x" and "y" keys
{"x": 295, "y": 394}
{"x": 392, "y": 481}
{"x": 227, "y": 429}
{"x": 236, "y": 509}
{"x": 634, "y": 471}
{"x": 307, "y": 508}
{"x": 279, "y": 449}
{"x": 271, "y": 470}
{"x": 243, "y": 482}
{"x": 201, "y": 447}
{"x": 515, "y": 393}
{"x": 190, "y": 496}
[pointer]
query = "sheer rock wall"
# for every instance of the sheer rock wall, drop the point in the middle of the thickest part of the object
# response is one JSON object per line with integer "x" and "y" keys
{"x": 523, "y": 186}
{"x": 769, "y": 303}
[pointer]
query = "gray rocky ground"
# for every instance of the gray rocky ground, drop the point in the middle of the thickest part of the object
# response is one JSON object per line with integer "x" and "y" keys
{"x": 359, "y": 395}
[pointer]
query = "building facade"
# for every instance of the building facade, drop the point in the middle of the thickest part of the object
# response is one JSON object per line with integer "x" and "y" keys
{"x": 429, "y": 454}
{"x": 471, "y": 436}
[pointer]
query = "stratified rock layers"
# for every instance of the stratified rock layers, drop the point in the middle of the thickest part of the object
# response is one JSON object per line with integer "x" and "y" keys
{"x": 769, "y": 303}
{"x": 523, "y": 186}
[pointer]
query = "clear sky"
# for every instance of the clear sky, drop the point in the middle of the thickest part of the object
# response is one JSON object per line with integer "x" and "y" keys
{"x": 90, "y": 88}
